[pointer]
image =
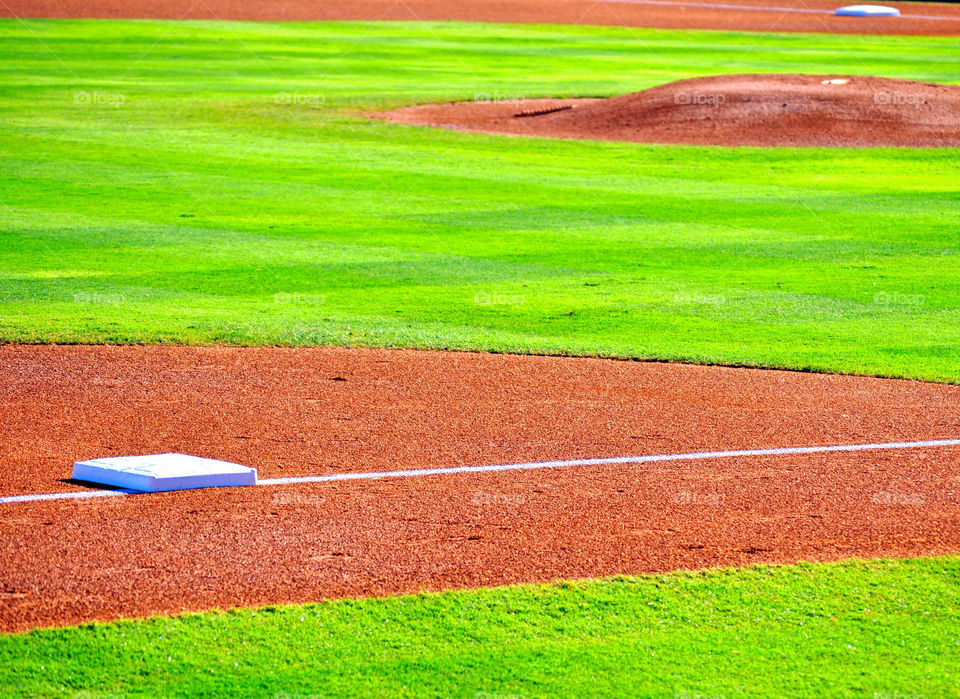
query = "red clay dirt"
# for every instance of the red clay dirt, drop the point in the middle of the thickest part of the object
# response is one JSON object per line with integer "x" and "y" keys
{"x": 727, "y": 110}
{"x": 292, "y": 412}
{"x": 779, "y": 15}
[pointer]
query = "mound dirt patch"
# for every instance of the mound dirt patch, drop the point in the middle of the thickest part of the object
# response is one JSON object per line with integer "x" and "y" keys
{"x": 729, "y": 110}
{"x": 294, "y": 412}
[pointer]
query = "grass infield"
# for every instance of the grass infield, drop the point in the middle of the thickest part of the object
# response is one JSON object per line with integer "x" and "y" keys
{"x": 213, "y": 182}
{"x": 876, "y": 629}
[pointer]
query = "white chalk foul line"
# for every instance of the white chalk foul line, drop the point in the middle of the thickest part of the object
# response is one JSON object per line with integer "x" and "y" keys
{"x": 719, "y": 6}
{"x": 82, "y": 495}
{"x": 528, "y": 466}
{"x": 761, "y": 8}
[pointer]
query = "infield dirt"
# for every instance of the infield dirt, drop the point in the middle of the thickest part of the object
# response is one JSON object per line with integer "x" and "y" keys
{"x": 769, "y": 15}
{"x": 292, "y": 412}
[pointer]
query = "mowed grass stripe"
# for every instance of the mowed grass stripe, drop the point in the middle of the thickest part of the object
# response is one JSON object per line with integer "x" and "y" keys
{"x": 215, "y": 182}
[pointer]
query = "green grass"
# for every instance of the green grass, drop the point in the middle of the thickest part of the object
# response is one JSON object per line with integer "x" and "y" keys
{"x": 205, "y": 209}
{"x": 864, "y": 629}
{"x": 215, "y": 182}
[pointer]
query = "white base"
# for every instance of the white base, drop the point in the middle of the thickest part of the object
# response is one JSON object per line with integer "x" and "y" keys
{"x": 867, "y": 11}
{"x": 159, "y": 472}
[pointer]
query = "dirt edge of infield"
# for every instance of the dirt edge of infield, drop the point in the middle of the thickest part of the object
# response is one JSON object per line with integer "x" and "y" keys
{"x": 923, "y": 19}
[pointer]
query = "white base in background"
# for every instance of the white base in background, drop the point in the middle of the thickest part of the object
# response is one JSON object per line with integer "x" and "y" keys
{"x": 867, "y": 11}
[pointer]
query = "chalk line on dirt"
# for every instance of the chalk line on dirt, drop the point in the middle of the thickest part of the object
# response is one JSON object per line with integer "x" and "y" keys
{"x": 717, "y": 6}
{"x": 761, "y": 8}
{"x": 527, "y": 466}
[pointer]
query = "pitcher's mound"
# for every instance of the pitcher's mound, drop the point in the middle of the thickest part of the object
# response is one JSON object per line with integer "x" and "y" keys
{"x": 728, "y": 110}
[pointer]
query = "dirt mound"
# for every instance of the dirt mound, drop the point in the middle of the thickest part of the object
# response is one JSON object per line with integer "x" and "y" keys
{"x": 729, "y": 110}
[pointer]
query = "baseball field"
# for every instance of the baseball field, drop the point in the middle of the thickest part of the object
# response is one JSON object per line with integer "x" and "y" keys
{"x": 556, "y": 404}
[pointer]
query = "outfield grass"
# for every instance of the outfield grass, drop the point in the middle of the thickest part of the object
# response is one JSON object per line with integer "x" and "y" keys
{"x": 865, "y": 629}
{"x": 213, "y": 182}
